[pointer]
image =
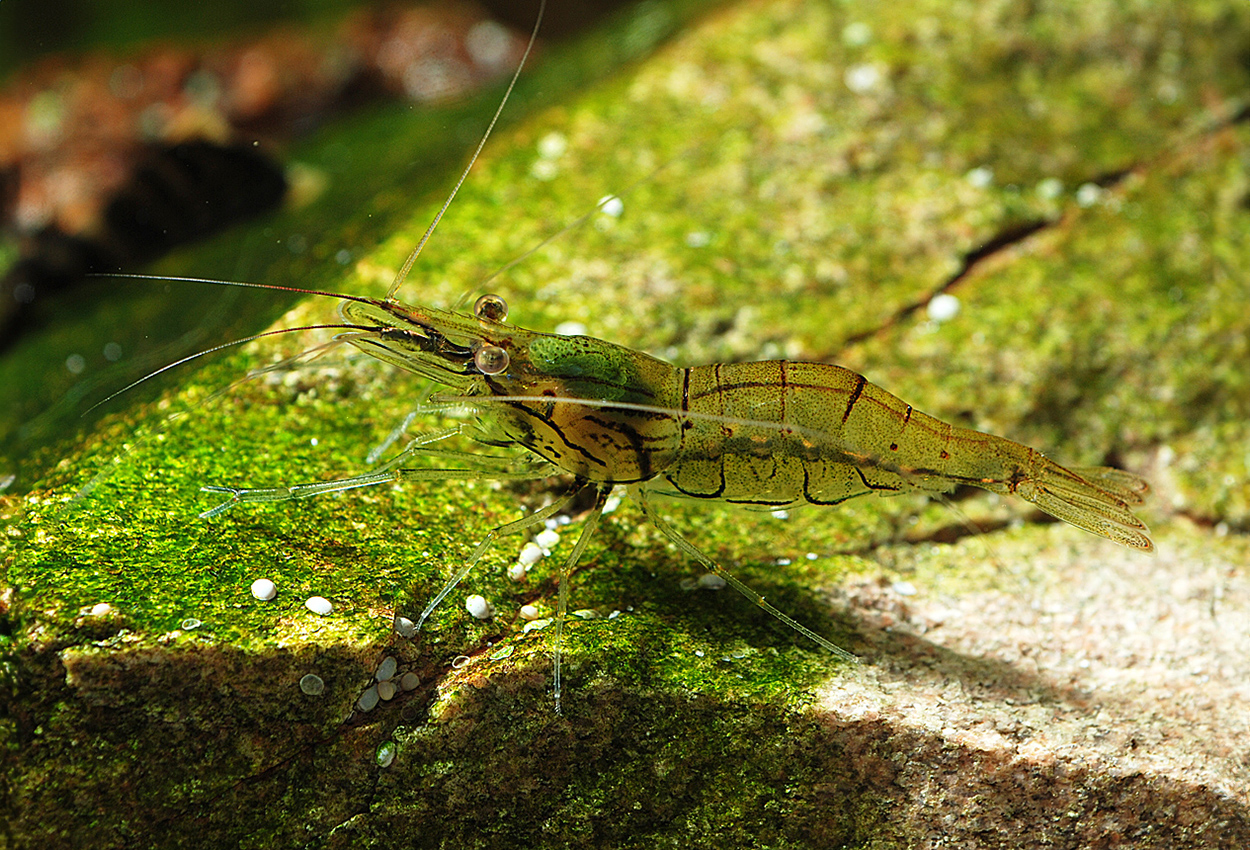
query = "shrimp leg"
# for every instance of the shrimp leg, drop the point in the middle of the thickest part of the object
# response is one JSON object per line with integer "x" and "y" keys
{"x": 690, "y": 549}
{"x": 482, "y": 466}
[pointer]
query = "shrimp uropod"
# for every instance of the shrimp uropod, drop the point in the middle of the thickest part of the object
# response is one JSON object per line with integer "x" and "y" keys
{"x": 774, "y": 433}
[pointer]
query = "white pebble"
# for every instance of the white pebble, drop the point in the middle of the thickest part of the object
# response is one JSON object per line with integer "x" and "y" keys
{"x": 529, "y": 612}
{"x": 1088, "y": 194}
{"x": 943, "y": 307}
{"x": 781, "y": 513}
{"x": 552, "y": 146}
{"x": 318, "y": 605}
{"x": 711, "y": 581}
{"x": 386, "y": 669}
{"x": 264, "y": 590}
{"x": 862, "y": 79}
{"x": 547, "y": 539}
{"x": 1050, "y": 188}
{"x": 190, "y": 623}
{"x": 981, "y": 177}
{"x": 517, "y": 571}
{"x": 904, "y": 588}
{"x": 409, "y": 681}
{"x": 386, "y": 754}
{"x": 369, "y": 699}
{"x": 535, "y": 625}
{"x": 531, "y": 553}
{"x": 479, "y": 607}
{"x": 312, "y": 685}
{"x": 404, "y": 627}
{"x": 856, "y": 34}
{"x": 101, "y": 609}
{"x": 611, "y": 205}
{"x": 460, "y": 661}
{"x": 386, "y": 689}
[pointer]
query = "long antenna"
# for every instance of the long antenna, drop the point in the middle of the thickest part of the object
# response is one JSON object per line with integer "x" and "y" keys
{"x": 429, "y": 231}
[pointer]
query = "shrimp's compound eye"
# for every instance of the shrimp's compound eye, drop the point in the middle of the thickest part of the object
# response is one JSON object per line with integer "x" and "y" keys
{"x": 490, "y": 359}
{"x": 491, "y": 307}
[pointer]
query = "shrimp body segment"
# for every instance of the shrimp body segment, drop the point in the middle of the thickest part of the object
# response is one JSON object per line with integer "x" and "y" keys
{"x": 773, "y": 433}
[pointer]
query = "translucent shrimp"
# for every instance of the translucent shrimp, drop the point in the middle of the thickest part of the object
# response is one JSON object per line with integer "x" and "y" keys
{"x": 776, "y": 433}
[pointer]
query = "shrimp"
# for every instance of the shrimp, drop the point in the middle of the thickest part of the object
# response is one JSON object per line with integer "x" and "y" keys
{"x": 775, "y": 433}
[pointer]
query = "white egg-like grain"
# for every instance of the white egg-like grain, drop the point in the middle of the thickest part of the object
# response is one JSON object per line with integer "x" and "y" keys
{"x": 369, "y": 699}
{"x": 386, "y": 669}
{"x": 318, "y": 605}
{"x": 264, "y": 589}
{"x": 479, "y": 607}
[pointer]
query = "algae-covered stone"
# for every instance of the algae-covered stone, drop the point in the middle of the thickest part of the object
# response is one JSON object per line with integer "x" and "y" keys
{"x": 796, "y": 180}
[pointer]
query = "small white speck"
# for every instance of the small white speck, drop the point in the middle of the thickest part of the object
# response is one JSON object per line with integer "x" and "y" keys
{"x": 811, "y": 556}
{"x": 862, "y": 79}
{"x": 981, "y": 177}
{"x": 611, "y": 205}
{"x": 189, "y": 624}
{"x": 856, "y": 34}
{"x": 698, "y": 653}
{"x": 711, "y": 581}
{"x": 409, "y": 681}
{"x": 531, "y": 553}
{"x": 904, "y": 588}
{"x": 943, "y": 307}
{"x": 404, "y": 627}
{"x": 312, "y": 685}
{"x": 553, "y": 145}
{"x": 545, "y": 170}
{"x": 264, "y": 589}
{"x": 313, "y": 441}
{"x": 479, "y": 607}
{"x": 517, "y": 571}
{"x": 101, "y": 609}
{"x": 780, "y": 513}
{"x": 529, "y": 612}
{"x": 782, "y": 562}
{"x": 386, "y": 669}
{"x": 459, "y": 661}
{"x": 386, "y": 690}
{"x": 547, "y": 539}
{"x": 1088, "y": 194}
{"x": 369, "y": 699}
{"x": 318, "y": 605}
{"x": 1049, "y": 188}
{"x": 571, "y": 328}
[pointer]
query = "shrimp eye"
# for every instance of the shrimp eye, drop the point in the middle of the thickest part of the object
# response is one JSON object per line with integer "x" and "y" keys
{"x": 490, "y": 359}
{"x": 491, "y": 307}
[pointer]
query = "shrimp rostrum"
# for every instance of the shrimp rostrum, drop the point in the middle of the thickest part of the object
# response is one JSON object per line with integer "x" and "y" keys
{"x": 775, "y": 433}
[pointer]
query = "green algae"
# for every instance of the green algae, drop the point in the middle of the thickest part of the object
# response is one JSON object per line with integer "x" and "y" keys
{"x": 769, "y": 210}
